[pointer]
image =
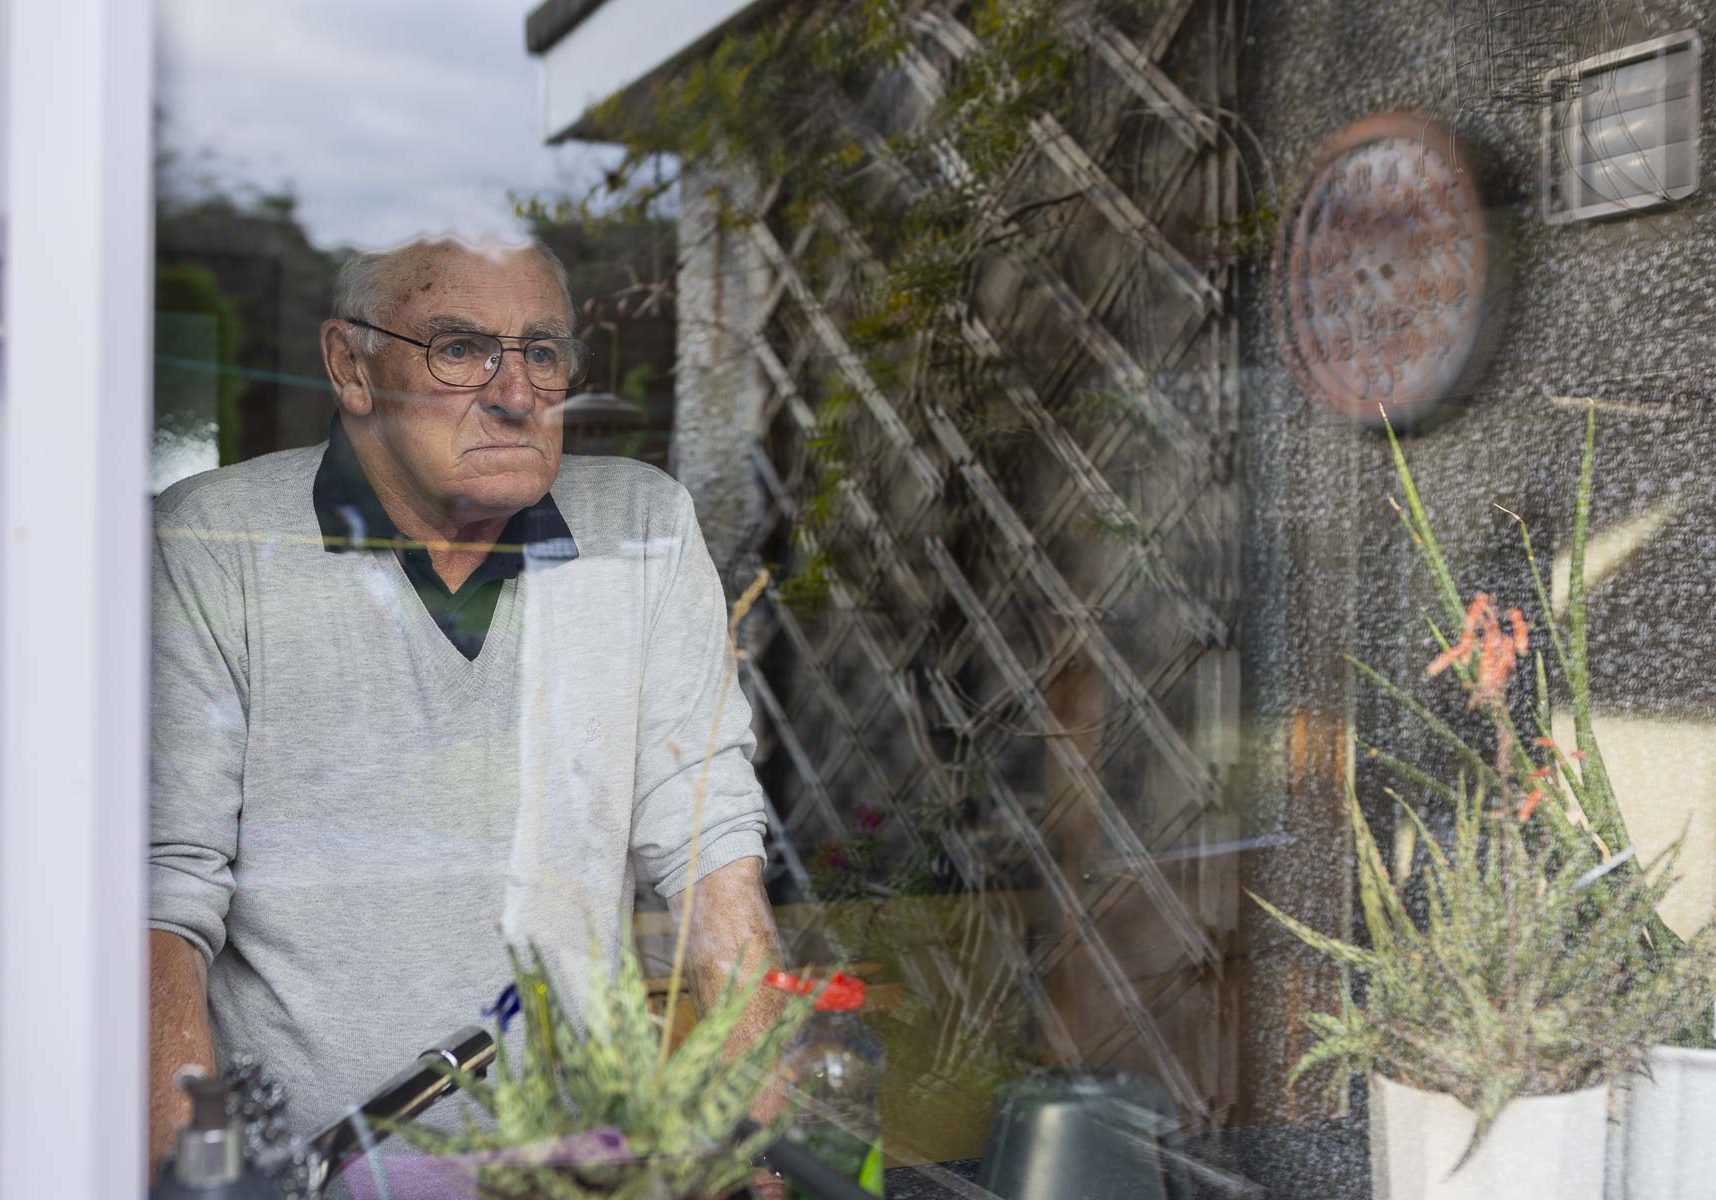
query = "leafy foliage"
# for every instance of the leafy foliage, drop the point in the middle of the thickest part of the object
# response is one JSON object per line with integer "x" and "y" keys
{"x": 1516, "y": 980}
{"x": 791, "y": 102}
{"x": 193, "y": 288}
{"x": 592, "y": 1111}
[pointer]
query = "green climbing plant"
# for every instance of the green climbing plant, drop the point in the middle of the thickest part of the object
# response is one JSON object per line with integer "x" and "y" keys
{"x": 908, "y": 213}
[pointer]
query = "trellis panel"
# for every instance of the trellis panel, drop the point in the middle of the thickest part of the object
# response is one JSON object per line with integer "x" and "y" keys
{"x": 1030, "y": 608}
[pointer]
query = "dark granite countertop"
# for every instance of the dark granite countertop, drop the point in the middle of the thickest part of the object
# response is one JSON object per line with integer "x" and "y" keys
{"x": 916, "y": 1183}
{"x": 1317, "y": 1160}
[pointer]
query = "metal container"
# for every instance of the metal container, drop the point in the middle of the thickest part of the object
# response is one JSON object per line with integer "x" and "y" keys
{"x": 1064, "y": 1136}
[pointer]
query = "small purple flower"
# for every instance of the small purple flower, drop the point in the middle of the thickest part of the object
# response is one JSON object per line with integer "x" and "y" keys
{"x": 604, "y": 1147}
{"x": 868, "y": 817}
{"x": 506, "y": 1006}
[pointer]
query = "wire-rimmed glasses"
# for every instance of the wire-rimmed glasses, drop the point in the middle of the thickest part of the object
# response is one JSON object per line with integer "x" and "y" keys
{"x": 467, "y": 359}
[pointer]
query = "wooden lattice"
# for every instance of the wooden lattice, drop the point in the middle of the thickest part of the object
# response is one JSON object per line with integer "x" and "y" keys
{"x": 1030, "y": 622}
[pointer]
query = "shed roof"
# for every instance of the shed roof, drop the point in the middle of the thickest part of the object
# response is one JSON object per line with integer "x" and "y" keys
{"x": 552, "y": 20}
{"x": 590, "y": 49}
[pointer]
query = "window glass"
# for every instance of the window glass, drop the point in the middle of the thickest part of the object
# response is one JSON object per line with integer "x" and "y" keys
{"x": 1161, "y": 598}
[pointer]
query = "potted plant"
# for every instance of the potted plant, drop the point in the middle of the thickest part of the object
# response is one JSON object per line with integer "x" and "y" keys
{"x": 1526, "y": 968}
{"x": 1503, "y": 994}
{"x": 599, "y": 1107}
{"x": 1674, "y": 1090}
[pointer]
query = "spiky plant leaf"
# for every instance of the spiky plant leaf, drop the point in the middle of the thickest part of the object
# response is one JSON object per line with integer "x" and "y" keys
{"x": 600, "y": 1072}
{"x": 1417, "y": 521}
{"x": 1411, "y": 773}
{"x": 1345, "y": 953}
{"x": 1470, "y": 758}
{"x": 1384, "y": 915}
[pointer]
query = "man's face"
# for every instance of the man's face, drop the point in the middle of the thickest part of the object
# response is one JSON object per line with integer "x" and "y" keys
{"x": 472, "y": 452}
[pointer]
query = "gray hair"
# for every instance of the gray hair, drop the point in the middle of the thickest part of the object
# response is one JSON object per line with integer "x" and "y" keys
{"x": 367, "y": 290}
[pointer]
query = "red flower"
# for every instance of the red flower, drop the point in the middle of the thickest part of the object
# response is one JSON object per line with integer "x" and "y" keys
{"x": 832, "y": 856}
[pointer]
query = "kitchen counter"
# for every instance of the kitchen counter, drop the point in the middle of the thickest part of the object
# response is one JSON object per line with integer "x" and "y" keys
{"x": 1316, "y": 1160}
{"x": 915, "y": 1183}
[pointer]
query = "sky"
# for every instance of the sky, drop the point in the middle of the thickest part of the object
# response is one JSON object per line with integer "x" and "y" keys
{"x": 387, "y": 118}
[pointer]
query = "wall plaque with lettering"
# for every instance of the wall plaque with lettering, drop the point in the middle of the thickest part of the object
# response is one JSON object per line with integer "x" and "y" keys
{"x": 1385, "y": 270}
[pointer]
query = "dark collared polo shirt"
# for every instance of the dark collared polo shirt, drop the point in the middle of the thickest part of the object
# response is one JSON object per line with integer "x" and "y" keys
{"x": 351, "y": 518}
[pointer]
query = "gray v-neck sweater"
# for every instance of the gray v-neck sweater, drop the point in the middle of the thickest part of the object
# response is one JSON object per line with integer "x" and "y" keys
{"x": 350, "y": 819}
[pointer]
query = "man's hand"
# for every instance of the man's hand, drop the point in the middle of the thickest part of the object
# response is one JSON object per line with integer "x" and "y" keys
{"x": 178, "y": 1034}
{"x": 733, "y": 930}
{"x": 733, "y": 933}
{"x": 766, "y": 1185}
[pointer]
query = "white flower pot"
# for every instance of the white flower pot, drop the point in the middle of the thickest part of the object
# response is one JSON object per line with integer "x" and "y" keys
{"x": 1669, "y": 1152}
{"x": 1540, "y": 1148}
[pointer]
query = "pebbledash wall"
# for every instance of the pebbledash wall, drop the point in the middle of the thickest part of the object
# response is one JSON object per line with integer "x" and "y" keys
{"x": 1622, "y": 311}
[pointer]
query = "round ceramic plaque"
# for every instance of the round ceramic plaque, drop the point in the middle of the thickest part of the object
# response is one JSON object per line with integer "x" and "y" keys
{"x": 1384, "y": 269}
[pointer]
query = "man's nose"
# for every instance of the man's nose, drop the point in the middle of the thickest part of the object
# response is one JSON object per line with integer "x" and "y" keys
{"x": 509, "y": 393}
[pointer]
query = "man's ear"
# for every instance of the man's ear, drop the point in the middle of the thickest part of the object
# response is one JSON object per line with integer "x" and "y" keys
{"x": 345, "y": 369}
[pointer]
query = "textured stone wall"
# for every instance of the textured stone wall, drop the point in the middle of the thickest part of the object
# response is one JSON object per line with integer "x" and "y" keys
{"x": 1622, "y": 310}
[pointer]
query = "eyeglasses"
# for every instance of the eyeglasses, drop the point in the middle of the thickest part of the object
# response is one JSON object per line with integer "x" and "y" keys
{"x": 469, "y": 360}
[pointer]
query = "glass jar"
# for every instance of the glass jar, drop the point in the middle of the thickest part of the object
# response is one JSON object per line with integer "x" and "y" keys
{"x": 835, "y": 1068}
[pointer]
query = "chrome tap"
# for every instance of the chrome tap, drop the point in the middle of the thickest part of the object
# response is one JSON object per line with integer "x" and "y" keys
{"x": 406, "y": 1095}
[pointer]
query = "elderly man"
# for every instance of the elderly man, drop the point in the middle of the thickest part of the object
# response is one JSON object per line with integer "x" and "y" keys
{"x": 425, "y": 690}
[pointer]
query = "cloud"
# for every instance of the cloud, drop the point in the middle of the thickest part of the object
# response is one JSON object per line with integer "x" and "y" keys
{"x": 386, "y": 119}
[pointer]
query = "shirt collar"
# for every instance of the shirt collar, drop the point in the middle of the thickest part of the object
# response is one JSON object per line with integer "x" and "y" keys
{"x": 351, "y": 516}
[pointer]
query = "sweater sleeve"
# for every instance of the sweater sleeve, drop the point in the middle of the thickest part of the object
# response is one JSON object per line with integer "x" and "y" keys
{"x": 691, "y": 708}
{"x": 200, "y": 700}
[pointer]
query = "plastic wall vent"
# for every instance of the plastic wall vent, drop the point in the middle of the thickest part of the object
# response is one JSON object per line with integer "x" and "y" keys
{"x": 1621, "y": 130}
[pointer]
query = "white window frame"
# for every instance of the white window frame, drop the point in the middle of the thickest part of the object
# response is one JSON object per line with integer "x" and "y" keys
{"x": 74, "y": 447}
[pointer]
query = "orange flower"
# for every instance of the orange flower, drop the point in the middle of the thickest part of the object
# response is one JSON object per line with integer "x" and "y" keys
{"x": 1521, "y": 631}
{"x": 1462, "y": 649}
{"x": 1498, "y": 652}
{"x": 1495, "y": 662}
{"x": 1529, "y": 806}
{"x": 1549, "y": 744}
{"x": 1458, "y": 652}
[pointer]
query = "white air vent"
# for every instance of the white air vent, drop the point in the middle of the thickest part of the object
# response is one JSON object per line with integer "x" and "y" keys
{"x": 1621, "y": 130}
